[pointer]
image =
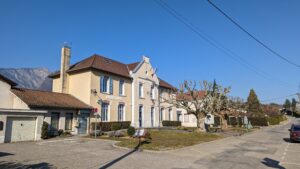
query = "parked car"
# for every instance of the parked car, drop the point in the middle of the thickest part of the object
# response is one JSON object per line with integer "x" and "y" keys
{"x": 295, "y": 132}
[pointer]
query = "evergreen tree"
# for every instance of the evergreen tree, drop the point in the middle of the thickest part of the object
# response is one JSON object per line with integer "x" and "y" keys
{"x": 253, "y": 105}
{"x": 287, "y": 104}
{"x": 293, "y": 105}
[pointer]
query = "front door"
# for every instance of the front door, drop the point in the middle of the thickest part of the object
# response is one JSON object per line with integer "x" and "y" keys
{"x": 82, "y": 119}
{"x": 140, "y": 116}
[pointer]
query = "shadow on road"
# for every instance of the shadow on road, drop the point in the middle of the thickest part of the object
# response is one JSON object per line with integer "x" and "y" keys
{"x": 272, "y": 163}
{"x": 2, "y": 154}
{"x": 4, "y": 165}
{"x": 287, "y": 140}
{"x": 123, "y": 156}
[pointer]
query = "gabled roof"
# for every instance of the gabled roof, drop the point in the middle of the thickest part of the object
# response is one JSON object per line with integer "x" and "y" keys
{"x": 43, "y": 99}
{"x": 107, "y": 65}
{"x": 7, "y": 80}
{"x": 165, "y": 84}
{"x": 99, "y": 63}
{"x": 187, "y": 96}
{"x": 132, "y": 66}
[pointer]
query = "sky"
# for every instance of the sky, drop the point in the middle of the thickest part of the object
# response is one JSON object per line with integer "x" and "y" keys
{"x": 33, "y": 32}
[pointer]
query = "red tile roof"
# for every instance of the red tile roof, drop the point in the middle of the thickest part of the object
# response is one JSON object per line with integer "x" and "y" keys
{"x": 107, "y": 65}
{"x": 188, "y": 96}
{"x": 43, "y": 99}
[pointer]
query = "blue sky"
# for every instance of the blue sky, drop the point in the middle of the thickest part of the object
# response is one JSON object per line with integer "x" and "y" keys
{"x": 32, "y": 33}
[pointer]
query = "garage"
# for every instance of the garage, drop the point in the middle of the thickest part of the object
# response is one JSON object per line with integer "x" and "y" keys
{"x": 20, "y": 129}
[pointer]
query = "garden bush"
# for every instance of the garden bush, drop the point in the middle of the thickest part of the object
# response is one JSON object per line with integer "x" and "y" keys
{"x": 276, "y": 119}
{"x": 107, "y": 126}
{"x": 171, "y": 123}
{"x": 131, "y": 131}
{"x": 217, "y": 121}
{"x": 115, "y": 126}
{"x": 45, "y": 133}
{"x": 258, "y": 121}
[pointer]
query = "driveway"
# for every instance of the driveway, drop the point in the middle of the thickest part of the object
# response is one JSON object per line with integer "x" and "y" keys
{"x": 267, "y": 148}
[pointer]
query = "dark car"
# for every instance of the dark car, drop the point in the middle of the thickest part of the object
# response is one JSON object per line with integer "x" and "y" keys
{"x": 295, "y": 132}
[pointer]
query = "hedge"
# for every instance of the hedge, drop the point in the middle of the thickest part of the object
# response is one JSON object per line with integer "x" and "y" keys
{"x": 274, "y": 120}
{"x": 171, "y": 123}
{"x": 217, "y": 121}
{"x": 234, "y": 121}
{"x": 109, "y": 126}
{"x": 258, "y": 121}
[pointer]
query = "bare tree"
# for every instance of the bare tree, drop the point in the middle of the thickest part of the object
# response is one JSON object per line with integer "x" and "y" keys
{"x": 199, "y": 100}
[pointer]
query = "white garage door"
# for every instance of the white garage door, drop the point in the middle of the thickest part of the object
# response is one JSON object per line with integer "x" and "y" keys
{"x": 20, "y": 129}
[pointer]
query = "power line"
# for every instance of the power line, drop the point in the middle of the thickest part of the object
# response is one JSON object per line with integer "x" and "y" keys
{"x": 253, "y": 37}
{"x": 209, "y": 39}
{"x": 277, "y": 98}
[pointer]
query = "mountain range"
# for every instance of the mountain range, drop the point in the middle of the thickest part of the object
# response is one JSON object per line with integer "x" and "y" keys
{"x": 30, "y": 78}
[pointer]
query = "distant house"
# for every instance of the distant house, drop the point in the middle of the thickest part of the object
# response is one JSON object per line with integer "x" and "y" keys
{"x": 22, "y": 112}
{"x": 120, "y": 92}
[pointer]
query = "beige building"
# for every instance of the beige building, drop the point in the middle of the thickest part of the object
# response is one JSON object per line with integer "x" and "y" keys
{"x": 120, "y": 92}
{"x": 22, "y": 112}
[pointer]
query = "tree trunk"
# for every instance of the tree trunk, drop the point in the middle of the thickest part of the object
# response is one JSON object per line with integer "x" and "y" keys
{"x": 200, "y": 124}
{"x": 223, "y": 123}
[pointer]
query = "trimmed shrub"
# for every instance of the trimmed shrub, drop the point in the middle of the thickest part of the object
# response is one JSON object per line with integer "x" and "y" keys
{"x": 45, "y": 133}
{"x": 171, "y": 123}
{"x": 258, "y": 121}
{"x": 115, "y": 126}
{"x": 131, "y": 131}
{"x": 107, "y": 126}
{"x": 217, "y": 121}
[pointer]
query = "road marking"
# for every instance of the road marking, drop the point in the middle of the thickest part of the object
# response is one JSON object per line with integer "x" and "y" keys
{"x": 284, "y": 153}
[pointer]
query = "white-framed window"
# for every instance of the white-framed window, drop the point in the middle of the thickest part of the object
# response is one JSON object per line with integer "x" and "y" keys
{"x": 152, "y": 116}
{"x": 104, "y": 111}
{"x": 106, "y": 84}
{"x": 152, "y": 93}
{"x": 121, "y": 110}
{"x": 141, "y": 90}
{"x": 121, "y": 87}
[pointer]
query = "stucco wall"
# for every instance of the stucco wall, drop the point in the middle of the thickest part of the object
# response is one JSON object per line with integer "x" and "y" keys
{"x": 144, "y": 75}
{"x": 6, "y": 100}
{"x": 56, "y": 85}
{"x": 113, "y": 99}
{"x": 80, "y": 86}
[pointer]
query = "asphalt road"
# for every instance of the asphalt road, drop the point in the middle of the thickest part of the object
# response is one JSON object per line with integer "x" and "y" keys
{"x": 266, "y": 148}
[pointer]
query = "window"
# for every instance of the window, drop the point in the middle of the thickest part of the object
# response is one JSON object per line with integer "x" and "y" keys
{"x": 152, "y": 93}
{"x": 1, "y": 125}
{"x": 179, "y": 116}
{"x": 121, "y": 112}
{"x": 140, "y": 115}
{"x": 141, "y": 90}
{"x": 161, "y": 114}
{"x": 152, "y": 116}
{"x": 54, "y": 121}
{"x": 170, "y": 114}
{"x": 104, "y": 111}
{"x": 69, "y": 120}
{"x": 104, "y": 84}
{"x": 121, "y": 88}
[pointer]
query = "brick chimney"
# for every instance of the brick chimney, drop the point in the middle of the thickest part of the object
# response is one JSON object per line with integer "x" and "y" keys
{"x": 64, "y": 66}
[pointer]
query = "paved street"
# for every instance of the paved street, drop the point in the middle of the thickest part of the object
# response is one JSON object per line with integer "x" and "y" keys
{"x": 268, "y": 147}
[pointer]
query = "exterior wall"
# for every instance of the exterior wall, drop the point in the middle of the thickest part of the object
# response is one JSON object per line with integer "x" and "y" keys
{"x": 165, "y": 94}
{"x": 62, "y": 119}
{"x": 113, "y": 99}
{"x": 6, "y": 100}
{"x": 56, "y": 85}
{"x": 144, "y": 75}
{"x": 39, "y": 122}
{"x": 80, "y": 86}
{"x": 187, "y": 120}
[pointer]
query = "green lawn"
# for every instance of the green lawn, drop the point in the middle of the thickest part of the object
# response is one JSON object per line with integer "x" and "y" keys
{"x": 165, "y": 140}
